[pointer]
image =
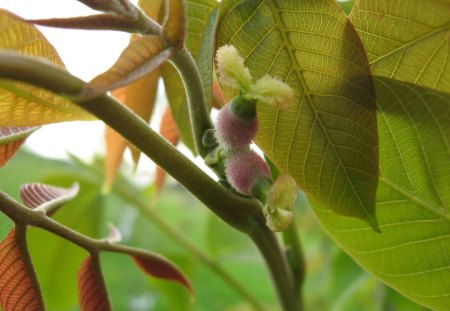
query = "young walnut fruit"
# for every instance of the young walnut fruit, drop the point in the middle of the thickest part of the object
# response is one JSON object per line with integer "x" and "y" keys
{"x": 237, "y": 124}
{"x": 244, "y": 170}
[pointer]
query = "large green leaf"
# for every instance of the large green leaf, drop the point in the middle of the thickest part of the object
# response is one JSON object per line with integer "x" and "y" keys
{"x": 412, "y": 252}
{"x": 328, "y": 140}
{"x": 26, "y": 105}
{"x": 407, "y": 40}
{"x": 197, "y": 14}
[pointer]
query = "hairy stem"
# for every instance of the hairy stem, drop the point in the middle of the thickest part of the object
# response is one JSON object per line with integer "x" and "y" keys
{"x": 241, "y": 213}
{"x": 198, "y": 107}
{"x": 233, "y": 209}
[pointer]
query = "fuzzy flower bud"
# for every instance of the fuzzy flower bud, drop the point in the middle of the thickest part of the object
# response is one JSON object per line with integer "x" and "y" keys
{"x": 272, "y": 91}
{"x": 237, "y": 124}
{"x": 280, "y": 203}
{"x": 244, "y": 170}
{"x": 231, "y": 69}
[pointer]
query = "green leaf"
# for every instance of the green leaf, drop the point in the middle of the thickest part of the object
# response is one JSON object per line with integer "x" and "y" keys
{"x": 328, "y": 140}
{"x": 406, "y": 40}
{"x": 197, "y": 14}
{"x": 205, "y": 55}
{"x": 411, "y": 254}
{"x": 26, "y": 105}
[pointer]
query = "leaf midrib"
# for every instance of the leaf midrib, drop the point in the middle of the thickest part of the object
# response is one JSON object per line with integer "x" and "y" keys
{"x": 424, "y": 36}
{"x": 441, "y": 213}
{"x": 9, "y": 86}
{"x": 308, "y": 94}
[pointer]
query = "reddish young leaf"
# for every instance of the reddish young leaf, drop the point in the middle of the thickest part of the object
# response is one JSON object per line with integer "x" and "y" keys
{"x": 159, "y": 267}
{"x": 19, "y": 289}
{"x": 168, "y": 130}
{"x": 142, "y": 56}
{"x": 11, "y": 138}
{"x": 92, "y": 294}
{"x": 174, "y": 23}
{"x": 46, "y": 197}
{"x": 96, "y": 22}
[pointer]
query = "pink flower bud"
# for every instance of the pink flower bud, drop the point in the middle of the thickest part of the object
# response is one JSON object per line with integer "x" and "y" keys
{"x": 244, "y": 169}
{"x": 234, "y": 132}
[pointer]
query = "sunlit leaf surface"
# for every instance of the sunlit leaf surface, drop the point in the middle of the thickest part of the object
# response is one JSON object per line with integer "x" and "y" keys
{"x": 11, "y": 138}
{"x": 19, "y": 290}
{"x": 407, "y": 40}
{"x": 142, "y": 56}
{"x": 328, "y": 140}
{"x": 25, "y": 105}
{"x": 412, "y": 252}
{"x": 92, "y": 293}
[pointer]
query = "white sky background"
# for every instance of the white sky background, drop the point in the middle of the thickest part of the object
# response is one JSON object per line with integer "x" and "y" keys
{"x": 85, "y": 54}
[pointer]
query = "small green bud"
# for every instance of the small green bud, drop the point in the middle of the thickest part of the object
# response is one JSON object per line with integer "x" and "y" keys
{"x": 280, "y": 203}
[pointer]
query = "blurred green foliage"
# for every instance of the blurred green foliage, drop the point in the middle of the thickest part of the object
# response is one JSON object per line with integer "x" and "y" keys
{"x": 333, "y": 281}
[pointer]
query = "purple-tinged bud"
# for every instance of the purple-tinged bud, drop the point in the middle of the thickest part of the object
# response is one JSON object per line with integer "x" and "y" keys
{"x": 237, "y": 124}
{"x": 244, "y": 170}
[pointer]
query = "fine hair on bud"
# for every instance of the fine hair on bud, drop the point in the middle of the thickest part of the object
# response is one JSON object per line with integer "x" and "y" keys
{"x": 231, "y": 69}
{"x": 234, "y": 131}
{"x": 273, "y": 92}
{"x": 244, "y": 170}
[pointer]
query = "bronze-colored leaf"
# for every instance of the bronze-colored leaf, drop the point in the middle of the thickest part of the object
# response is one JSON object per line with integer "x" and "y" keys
{"x": 11, "y": 138}
{"x": 92, "y": 293}
{"x": 96, "y": 22}
{"x": 26, "y": 105}
{"x": 159, "y": 267}
{"x": 46, "y": 197}
{"x": 142, "y": 56}
{"x": 19, "y": 289}
{"x": 174, "y": 23}
{"x": 168, "y": 130}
